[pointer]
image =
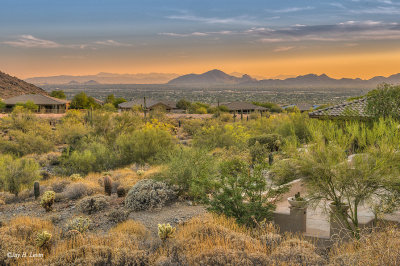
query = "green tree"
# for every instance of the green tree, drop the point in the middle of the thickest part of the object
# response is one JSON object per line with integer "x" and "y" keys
{"x": 118, "y": 101}
{"x": 331, "y": 176}
{"x": 2, "y": 105}
{"x": 183, "y": 104}
{"x": 242, "y": 193}
{"x": 58, "y": 94}
{"x": 82, "y": 101}
{"x": 110, "y": 99}
{"x": 384, "y": 101}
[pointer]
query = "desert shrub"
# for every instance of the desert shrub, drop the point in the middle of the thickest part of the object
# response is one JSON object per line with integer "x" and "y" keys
{"x": 149, "y": 194}
{"x": 131, "y": 229}
{"x": 16, "y": 174}
{"x": 79, "y": 224}
{"x": 92, "y": 204}
{"x": 204, "y": 234}
{"x": 60, "y": 186}
{"x": 381, "y": 247}
{"x": 193, "y": 126}
{"x": 47, "y": 200}
{"x": 296, "y": 252}
{"x": 284, "y": 171}
{"x": 192, "y": 170}
{"x": 117, "y": 216}
{"x": 226, "y": 117}
{"x": 145, "y": 145}
{"x": 19, "y": 235}
{"x": 221, "y": 136}
{"x": 75, "y": 191}
{"x": 239, "y": 193}
{"x": 100, "y": 255}
{"x": 219, "y": 256}
{"x": 272, "y": 142}
{"x": 23, "y": 143}
{"x": 92, "y": 157}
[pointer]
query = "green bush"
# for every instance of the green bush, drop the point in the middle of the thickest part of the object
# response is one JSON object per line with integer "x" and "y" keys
{"x": 222, "y": 136}
{"x": 16, "y": 174}
{"x": 242, "y": 193}
{"x": 193, "y": 171}
{"x": 144, "y": 146}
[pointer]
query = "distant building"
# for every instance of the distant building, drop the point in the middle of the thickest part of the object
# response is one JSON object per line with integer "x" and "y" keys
{"x": 168, "y": 106}
{"x": 348, "y": 110}
{"x": 244, "y": 107}
{"x": 99, "y": 102}
{"x": 45, "y": 103}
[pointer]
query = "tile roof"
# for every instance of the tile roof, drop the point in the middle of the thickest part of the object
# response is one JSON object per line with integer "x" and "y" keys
{"x": 353, "y": 109}
{"x": 38, "y": 99}
{"x": 149, "y": 103}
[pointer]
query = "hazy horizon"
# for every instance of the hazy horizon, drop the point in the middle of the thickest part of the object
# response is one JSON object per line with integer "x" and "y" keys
{"x": 340, "y": 38}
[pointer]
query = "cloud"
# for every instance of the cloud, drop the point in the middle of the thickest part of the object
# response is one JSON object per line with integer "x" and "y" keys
{"x": 198, "y": 34}
{"x": 241, "y": 20}
{"x": 29, "y": 41}
{"x": 283, "y": 48}
{"x": 347, "y": 31}
{"x": 350, "y": 31}
{"x": 292, "y": 9}
{"x": 112, "y": 43}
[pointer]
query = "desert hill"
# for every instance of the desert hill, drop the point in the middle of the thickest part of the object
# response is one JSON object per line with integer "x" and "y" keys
{"x": 12, "y": 86}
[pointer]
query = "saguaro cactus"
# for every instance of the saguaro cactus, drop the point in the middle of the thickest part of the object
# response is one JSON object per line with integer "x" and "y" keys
{"x": 36, "y": 189}
{"x": 107, "y": 185}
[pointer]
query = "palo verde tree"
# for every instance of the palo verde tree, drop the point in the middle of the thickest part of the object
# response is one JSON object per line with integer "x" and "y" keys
{"x": 332, "y": 177}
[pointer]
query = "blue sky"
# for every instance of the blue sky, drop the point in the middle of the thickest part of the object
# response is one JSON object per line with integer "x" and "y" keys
{"x": 89, "y": 36}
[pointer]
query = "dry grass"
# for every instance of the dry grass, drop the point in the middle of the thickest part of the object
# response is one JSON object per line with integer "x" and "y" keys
{"x": 130, "y": 228}
{"x": 381, "y": 247}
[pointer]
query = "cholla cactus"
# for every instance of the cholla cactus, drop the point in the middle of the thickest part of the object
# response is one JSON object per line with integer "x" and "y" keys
{"x": 140, "y": 172}
{"x": 79, "y": 224}
{"x": 76, "y": 177}
{"x": 43, "y": 239}
{"x": 48, "y": 200}
{"x": 166, "y": 231}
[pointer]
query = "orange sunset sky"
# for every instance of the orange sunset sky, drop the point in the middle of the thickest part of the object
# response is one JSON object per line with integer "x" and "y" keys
{"x": 346, "y": 38}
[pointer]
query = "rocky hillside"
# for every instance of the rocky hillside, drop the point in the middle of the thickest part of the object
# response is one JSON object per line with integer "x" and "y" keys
{"x": 12, "y": 86}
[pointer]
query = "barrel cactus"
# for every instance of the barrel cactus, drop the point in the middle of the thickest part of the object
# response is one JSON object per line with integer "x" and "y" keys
{"x": 107, "y": 185}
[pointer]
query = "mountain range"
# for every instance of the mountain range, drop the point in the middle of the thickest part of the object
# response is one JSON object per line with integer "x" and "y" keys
{"x": 12, "y": 86}
{"x": 217, "y": 78}
{"x": 104, "y": 78}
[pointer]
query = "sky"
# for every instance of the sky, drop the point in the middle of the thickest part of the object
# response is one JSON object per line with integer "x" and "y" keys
{"x": 267, "y": 38}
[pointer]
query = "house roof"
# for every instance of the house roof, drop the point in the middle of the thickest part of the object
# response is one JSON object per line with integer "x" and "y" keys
{"x": 351, "y": 109}
{"x": 38, "y": 99}
{"x": 149, "y": 103}
{"x": 238, "y": 106}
